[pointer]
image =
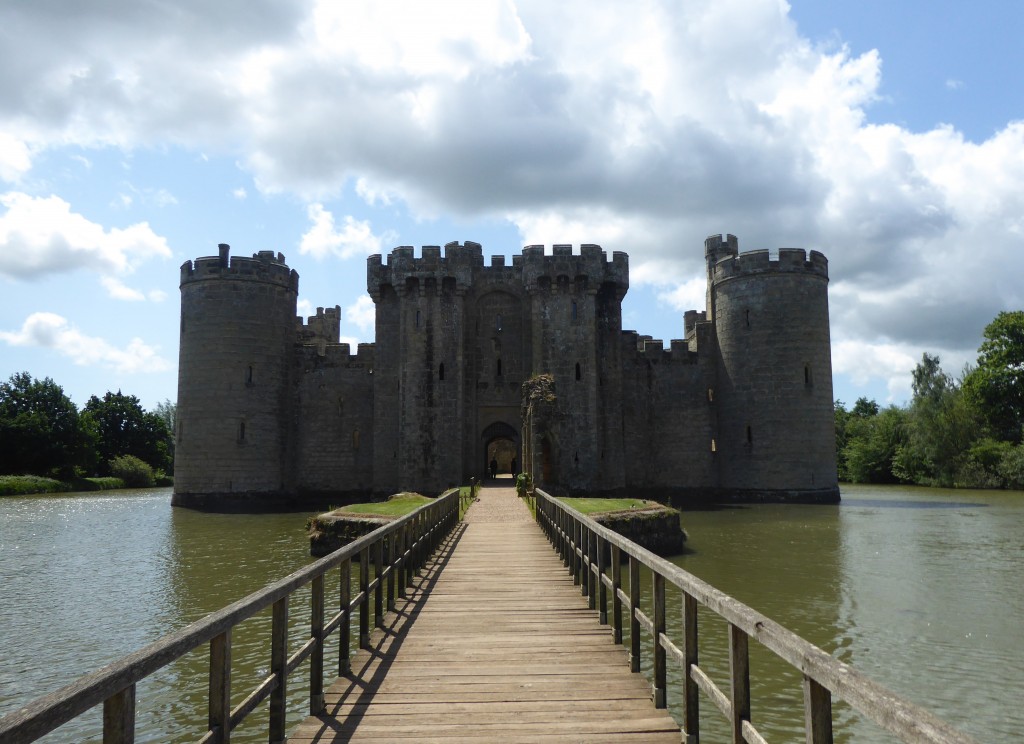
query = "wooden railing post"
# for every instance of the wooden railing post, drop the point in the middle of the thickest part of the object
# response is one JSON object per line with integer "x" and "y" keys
{"x": 602, "y": 589}
{"x": 364, "y": 592}
{"x": 378, "y": 593}
{"x": 585, "y": 565}
{"x": 279, "y": 668}
{"x": 817, "y": 712}
{"x": 316, "y": 660}
{"x": 616, "y": 599}
{"x": 219, "y": 703}
{"x": 691, "y": 693}
{"x": 659, "y": 630}
{"x": 119, "y": 717}
{"x": 403, "y": 571}
{"x": 390, "y": 556}
{"x": 739, "y": 674}
{"x": 634, "y": 621}
{"x": 577, "y": 552}
{"x": 345, "y": 628}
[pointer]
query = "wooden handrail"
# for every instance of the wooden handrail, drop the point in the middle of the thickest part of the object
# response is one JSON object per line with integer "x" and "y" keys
{"x": 411, "y": 539}
{"x": 572, "y": 534}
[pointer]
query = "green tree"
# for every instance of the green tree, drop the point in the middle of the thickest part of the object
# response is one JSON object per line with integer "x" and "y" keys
{"x": 40, "y": 429}
{"x": 873, "y": 441}
{"x": 168, "y": 412}
{"x": 943, "y": 426}
{"x": 124, "y": 428}
{"x": 997, "y": 383}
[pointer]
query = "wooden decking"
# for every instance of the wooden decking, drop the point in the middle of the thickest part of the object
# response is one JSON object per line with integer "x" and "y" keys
{"x": 494, "y": 644}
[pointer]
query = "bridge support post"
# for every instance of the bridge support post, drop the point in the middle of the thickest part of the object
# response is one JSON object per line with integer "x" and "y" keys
{"x": 119, "y": 717}
{"x": 739, "y": 673}
{"x": 817, "y": 712}
{"x": 616, "y": 599}
{"x": 279, "y": 668}
{"x": 316, "y": 660}
{"x": 345, "y": 628}
{"x": 634, "y": 621}
{"x": 660, "y": 684}
{"x": 691, "y": 693}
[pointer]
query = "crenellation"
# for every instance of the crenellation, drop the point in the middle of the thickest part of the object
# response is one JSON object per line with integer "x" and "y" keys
{"x": 455, "y": 339}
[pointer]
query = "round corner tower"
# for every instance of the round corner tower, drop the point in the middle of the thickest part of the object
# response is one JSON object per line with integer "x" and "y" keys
{"x": 237, "y": 332}
{"x": 775, "y": 431}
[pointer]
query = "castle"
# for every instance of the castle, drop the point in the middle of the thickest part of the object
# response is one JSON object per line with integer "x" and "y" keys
{"x": 274, "y": 413}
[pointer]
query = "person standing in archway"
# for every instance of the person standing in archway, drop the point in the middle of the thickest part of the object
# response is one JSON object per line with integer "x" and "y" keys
{"x": 515, "y": 470}
{"x": 494, "y": 468}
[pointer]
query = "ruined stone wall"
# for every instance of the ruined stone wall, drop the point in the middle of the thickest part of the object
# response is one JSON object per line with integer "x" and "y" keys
{"x": 332, "y": 421}
{"x": 237, "y": 331}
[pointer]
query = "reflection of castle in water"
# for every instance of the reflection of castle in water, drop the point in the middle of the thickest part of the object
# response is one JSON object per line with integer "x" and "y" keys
{"x": 273, "y": 411}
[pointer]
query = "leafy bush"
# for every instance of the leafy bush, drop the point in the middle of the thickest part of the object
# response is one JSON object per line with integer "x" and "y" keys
{"x": 523, "y": 484}
{"x": 133, "y": 471}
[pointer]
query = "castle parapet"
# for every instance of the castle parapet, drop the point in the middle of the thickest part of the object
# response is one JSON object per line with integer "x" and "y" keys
{"x": 265, "y": 266}
{"x": 590, "y": 268}
{"x": 324, "y": 326}
{"x": 456, "y": 266}
{"x": 790, "y": 260}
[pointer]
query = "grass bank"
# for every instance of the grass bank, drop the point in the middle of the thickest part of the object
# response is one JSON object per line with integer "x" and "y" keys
{"x": 607, "y": 506}
{"x": 397, "y": 506}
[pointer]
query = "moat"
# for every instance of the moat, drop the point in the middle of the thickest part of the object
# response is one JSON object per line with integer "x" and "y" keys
{"x": 919, "y": 589}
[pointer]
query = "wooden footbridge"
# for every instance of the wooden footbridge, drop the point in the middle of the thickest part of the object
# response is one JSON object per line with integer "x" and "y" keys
{"x": 475, "y": 630}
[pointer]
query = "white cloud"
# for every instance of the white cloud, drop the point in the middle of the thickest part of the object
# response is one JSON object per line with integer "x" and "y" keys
{"x": 362, "y": 314}
{"x": 240, "y": 193}
{"x": 354, "y": 238}
{"x": 954, "y": 84}
{"x": 15, "y": 159}
{"x": 642, "y": 126}
{"x": 304, "y": 309}
{"x": 120, "y": 291}
{"x": 52, "y": 331}
{"x": 41, "y": 235}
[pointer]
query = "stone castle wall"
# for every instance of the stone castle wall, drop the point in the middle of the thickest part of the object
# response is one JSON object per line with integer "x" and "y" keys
{"x": 741, "y": 407}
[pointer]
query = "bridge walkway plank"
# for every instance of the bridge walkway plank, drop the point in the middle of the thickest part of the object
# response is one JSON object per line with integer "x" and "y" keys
{"x": 494, "y": 643}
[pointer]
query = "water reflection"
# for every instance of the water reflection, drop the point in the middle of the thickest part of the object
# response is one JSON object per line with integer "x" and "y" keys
{"x": 919, "y": 589}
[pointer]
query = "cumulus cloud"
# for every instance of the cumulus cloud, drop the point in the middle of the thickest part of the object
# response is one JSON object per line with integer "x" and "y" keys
{"x": 52, "y": 331}
{"x": 362, "y": 314}
{"x": 642, "y": 126}
{"x": 14, "y": 158}
{"x": 41, "y": 235}
{"x": 353, "y": 238}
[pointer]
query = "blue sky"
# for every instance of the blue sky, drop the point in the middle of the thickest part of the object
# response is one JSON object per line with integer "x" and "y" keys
{"x": 135, "y": 136}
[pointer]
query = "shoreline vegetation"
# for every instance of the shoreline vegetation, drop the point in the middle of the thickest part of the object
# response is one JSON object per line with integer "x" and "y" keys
{"x": 27, "y": 485}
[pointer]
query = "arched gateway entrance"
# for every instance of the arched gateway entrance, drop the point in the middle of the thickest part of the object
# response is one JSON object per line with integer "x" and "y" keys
{"x": 500, "y": 442}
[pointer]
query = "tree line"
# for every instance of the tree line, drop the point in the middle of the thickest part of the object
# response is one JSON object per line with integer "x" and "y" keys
{"x": 959, "y": 432}
{"x": 43, "y": 433}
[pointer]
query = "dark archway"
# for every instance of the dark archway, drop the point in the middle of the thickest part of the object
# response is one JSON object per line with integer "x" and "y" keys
{"x": 501, "y": 443}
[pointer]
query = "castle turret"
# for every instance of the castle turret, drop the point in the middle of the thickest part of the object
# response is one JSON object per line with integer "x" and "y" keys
{"x": 237, "y": 335}
{"x": 775, "y": 429}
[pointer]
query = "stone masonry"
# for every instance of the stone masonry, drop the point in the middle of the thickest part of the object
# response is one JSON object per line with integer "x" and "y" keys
{"x": 275, "y": 413}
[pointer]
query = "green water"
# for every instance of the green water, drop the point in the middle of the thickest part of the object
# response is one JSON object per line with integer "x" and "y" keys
{"x": 919, "y": 589}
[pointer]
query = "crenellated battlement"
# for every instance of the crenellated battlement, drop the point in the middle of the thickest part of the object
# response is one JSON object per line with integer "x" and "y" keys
{"x": 789, "y": 260}
{"x": 324, "y": 326}
{"x": 264, "y": 266}
{"x": 457, "y": 265}
{"x": 463, "y": 264}
{"x": 590, "y": 268}
{"x": 645, "y": 348}
{"x": 336, "y": 355}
